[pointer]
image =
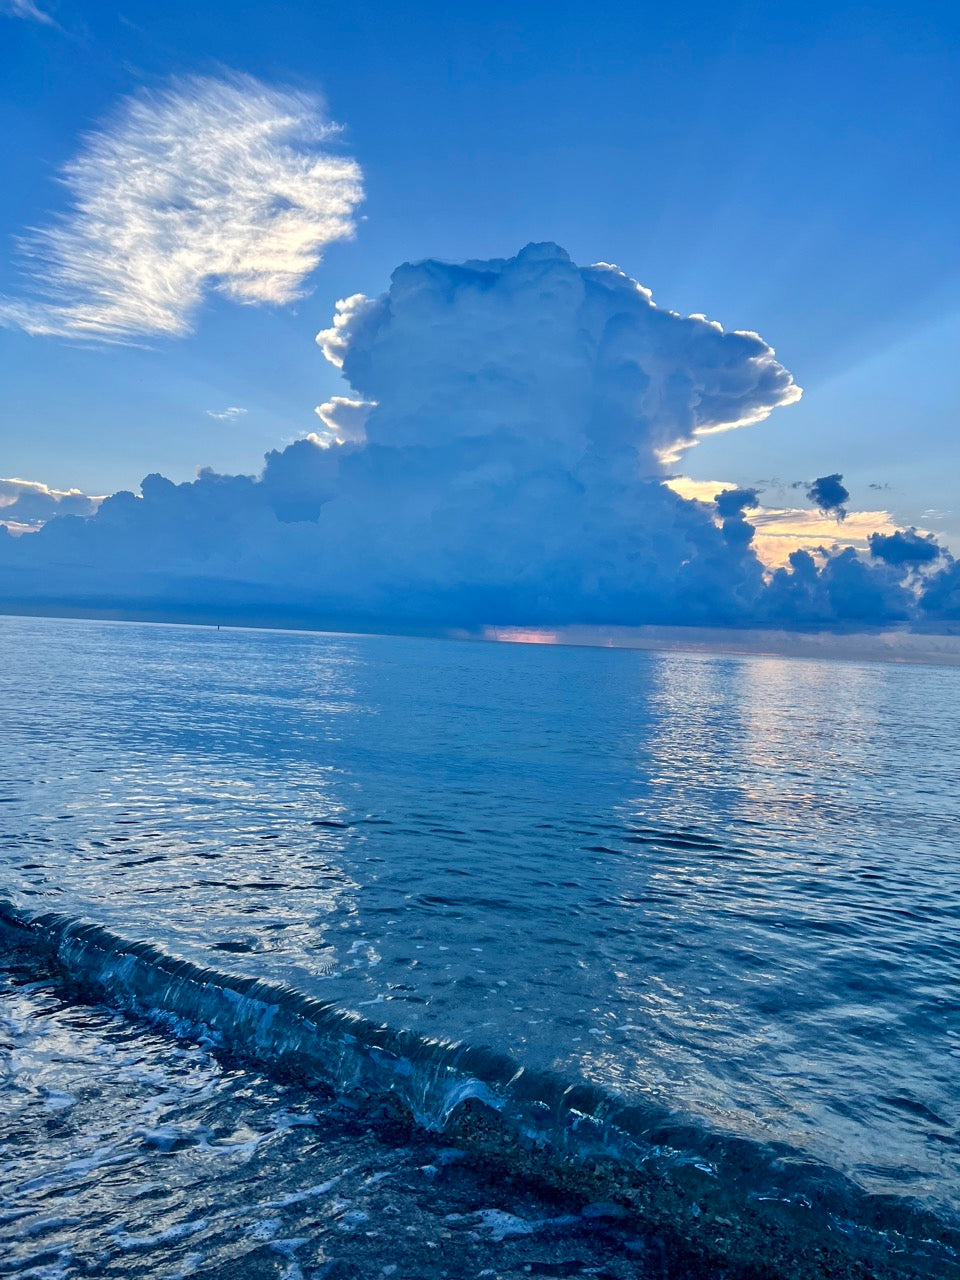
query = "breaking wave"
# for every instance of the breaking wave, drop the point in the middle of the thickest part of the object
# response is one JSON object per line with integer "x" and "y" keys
{"x": 770, "y": 1201}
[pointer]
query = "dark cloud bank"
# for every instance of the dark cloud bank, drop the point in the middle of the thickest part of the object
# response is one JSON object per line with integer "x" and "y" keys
{"x": 501, "y": 462}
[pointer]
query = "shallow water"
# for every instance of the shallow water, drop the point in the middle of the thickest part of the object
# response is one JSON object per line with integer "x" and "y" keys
{"x": 125, "y": 1153}
{"x": 726, "y": 886}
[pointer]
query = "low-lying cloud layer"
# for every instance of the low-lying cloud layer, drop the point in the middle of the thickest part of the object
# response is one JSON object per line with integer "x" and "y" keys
{"x": 222, "y": 185}
{"x": 497, "y": 461}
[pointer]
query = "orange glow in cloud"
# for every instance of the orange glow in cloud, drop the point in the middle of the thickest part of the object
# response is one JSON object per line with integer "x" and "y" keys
{"x": 520, "y": 635}
{"x": 781, "y": 530}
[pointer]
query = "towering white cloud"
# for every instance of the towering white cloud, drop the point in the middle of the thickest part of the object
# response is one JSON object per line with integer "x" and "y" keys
{"x": 571, "y": 360}
{"x": 497, "y": 463}
{"x": 208, "y": 185}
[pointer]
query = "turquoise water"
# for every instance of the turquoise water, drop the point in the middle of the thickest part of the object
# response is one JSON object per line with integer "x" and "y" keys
{"x": 725, "y": 889}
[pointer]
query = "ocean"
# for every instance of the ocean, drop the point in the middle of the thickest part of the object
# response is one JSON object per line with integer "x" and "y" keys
{"x": 332, "y": 955}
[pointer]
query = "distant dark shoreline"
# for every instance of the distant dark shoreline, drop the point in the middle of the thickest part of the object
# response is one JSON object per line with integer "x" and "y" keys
{"x": 890, "y": 645}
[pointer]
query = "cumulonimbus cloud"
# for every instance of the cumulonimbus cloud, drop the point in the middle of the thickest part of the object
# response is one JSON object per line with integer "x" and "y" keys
{"x": 496, "y": 461}
{"x": 222, "y": 185}
{"x": 572, "y": 360}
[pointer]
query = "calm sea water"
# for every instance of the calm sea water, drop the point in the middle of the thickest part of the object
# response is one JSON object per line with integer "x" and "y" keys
{"x": 726, "y": 886}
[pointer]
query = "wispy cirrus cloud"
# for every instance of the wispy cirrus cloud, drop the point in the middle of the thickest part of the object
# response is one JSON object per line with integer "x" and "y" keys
{"x": 208, "y": 186}
{"x": 226, "y": 415}
{"x": 25, "y": 9}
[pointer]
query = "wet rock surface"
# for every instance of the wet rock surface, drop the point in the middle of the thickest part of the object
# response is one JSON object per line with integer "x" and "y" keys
{"x": 133, "y": 1151}
{"x": 125, "y": 1152}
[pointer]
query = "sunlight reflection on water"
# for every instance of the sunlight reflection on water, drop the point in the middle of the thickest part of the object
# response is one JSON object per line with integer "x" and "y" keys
{"x": 727, "y": 884}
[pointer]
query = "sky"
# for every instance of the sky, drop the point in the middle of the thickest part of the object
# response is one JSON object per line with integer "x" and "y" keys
{"x": 784, "y": 170}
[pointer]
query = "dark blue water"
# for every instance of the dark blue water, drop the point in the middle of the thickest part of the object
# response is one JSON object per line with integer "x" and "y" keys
{"x": 726, "y": 888}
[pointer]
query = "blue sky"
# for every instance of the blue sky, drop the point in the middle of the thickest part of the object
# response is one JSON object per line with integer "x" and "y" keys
{"x": 787, "y": 169}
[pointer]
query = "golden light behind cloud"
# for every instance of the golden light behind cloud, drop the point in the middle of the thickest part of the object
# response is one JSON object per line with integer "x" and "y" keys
{"x": 782, "y": 530}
